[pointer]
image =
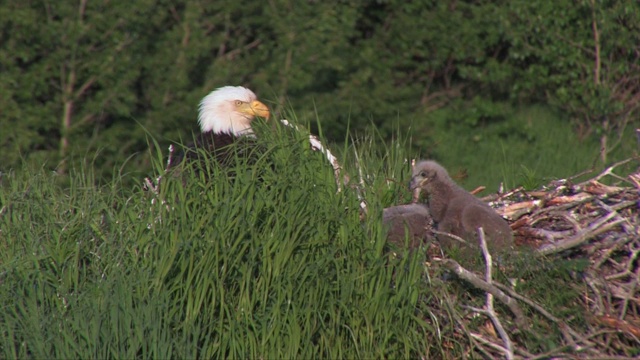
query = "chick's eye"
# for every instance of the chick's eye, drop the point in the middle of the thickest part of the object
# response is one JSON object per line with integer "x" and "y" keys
{"x": 423, "y": 174}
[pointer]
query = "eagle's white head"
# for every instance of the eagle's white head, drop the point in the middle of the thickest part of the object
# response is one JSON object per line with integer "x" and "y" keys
{"x": 230, "y": 109}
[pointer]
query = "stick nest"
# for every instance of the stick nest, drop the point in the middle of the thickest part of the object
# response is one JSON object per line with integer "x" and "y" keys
{"x": 575, "y": 220}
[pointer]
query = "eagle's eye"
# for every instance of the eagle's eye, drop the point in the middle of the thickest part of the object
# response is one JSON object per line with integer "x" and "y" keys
{"x": 238, "y": 102}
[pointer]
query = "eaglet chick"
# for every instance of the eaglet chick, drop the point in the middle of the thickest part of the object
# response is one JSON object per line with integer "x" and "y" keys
{"x": 410, "y": 221}
{"x": 458, "y": 212}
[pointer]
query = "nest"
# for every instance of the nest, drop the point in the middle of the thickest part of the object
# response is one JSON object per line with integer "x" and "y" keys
{"x": 569, "y": 220}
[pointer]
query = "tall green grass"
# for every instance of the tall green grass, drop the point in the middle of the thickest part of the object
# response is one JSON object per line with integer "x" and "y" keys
{"x": 267, "y": 261}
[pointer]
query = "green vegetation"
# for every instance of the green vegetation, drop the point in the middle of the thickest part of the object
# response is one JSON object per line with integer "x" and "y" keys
{"x": 267, "y": 260}
{"x": 80, "y": 78}
{"x": 271, "y": 263}
{"x": 530, "y": 149}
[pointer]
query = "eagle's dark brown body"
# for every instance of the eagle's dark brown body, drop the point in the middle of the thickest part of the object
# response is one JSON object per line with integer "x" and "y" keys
{"x": 222, "y": 148}
{"x": 225, "y": 117}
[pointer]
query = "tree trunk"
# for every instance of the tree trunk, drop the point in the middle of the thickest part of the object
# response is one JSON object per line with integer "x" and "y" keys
{"x": 64, "y": 137}
{"x": 603, "y": 149}
{"x": 65, "y": 130}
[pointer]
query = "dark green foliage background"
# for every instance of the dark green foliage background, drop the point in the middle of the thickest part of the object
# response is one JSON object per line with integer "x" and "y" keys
{"x": 91, "y": 80}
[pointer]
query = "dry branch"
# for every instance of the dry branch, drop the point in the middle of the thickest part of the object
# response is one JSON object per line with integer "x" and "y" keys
{"x": 316, "y": 145}
{"x": 341, "y": 179}
{"x": 474, "y": 280}
{"x": 508, "y": 345}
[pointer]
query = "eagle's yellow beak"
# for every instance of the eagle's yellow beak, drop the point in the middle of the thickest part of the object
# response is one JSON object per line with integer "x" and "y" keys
{"x": 255, "y": 108}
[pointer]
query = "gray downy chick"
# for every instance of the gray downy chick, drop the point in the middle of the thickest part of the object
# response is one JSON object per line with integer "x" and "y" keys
{"x": 410, "y": 221}
{"x": 458, "y": 212}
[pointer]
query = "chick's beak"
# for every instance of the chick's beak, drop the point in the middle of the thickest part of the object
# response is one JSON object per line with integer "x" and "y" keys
{"x": 413, "y": 184}
{"x": 418, "y": 182}
{"x": 255, "y": 108}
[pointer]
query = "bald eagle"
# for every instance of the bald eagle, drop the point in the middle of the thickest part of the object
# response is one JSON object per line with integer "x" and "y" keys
{"x": 225, "y": 117}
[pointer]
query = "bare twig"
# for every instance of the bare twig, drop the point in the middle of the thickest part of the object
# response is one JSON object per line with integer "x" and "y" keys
{"x": 474, "y": 280}
{"x": 451, "y": 236}
{"x": 619, "y": 244}
{"x": 363, "y": 205}
{"x": 626, "y": 224}
{"x": 516, "y": 210}
{"x": 608, "y": 171}
{"x": 548, "y": 235}
{"x": 154, "y": 186}
{"x": 316, "y": 145}
{"x": 416, "y": 192}
{"x": 491, "y": 345}
{"x": 630, "y": 294}
{"x": 619, "y": 325}
{"x": 508, "y": 345}
{"x": 596, "y": 228}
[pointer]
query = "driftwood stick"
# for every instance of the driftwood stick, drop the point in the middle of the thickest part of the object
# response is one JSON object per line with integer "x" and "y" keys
{"x": 500, "y": 195}
{"x": 623, "y": 205}
{"x": 154, "y": 186}
{"x": 516, "y": 210}
{"x": 548, "y": 235}
{"x": 626, "y": 224}
{"x": 488, "y": 262}
{"x": 571, "y": 220}
{"x": 630, "y": 294}
{"x": 570, "y": 200}
{"x": 363, "y": 204}
{"x": 416, "y": 192}
{"x": 613, "y": 290}
{"x": 316, "y": 145}
{"x": 619, "y": 325}
{"x": 598, "y": 188}
{"x": 594, "y": 229}
{"x": 488, "y": 343}
{"x": 508, "y": 345}
{"x": 474, "y": 280}
{"x": 619, "y": 244}
{"x": 481, "y": 342}
{"x": 451, "y": 236}
{"x": 599, "y": 301}
{"x": 635, "y": 180}
{"x": 607, "y": 171}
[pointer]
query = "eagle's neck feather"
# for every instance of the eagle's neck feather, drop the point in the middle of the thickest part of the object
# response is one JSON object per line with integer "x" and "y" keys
{"x": 233, "y": 123}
